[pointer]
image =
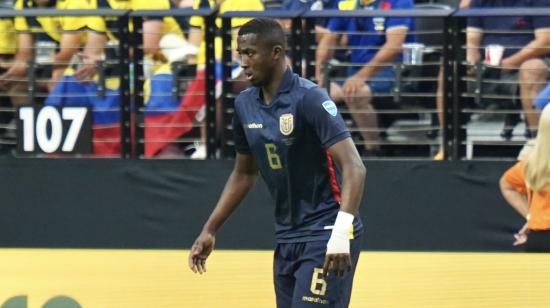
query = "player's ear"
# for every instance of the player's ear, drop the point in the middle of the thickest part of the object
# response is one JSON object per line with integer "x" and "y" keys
{"x": 278, "y": 52}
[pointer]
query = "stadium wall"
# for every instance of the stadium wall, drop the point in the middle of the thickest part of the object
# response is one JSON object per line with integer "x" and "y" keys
{"x": 114, "y": 233}
{"x": 408, "y": 205}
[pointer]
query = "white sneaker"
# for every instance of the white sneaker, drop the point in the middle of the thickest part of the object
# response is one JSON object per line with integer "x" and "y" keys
{"x": 200, "y": 152}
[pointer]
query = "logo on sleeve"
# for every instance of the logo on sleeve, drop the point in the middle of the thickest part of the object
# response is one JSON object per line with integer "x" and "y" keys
{"x": 286, "y": 123}
{"x": 330, "y": 107}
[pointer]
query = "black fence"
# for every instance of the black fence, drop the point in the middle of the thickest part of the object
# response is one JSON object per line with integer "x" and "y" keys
{"x": 433, "y": 104}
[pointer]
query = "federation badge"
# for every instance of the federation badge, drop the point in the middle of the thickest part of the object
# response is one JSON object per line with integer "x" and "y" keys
{"x": 330, "y": 107}
{"x": 286, "y": 123}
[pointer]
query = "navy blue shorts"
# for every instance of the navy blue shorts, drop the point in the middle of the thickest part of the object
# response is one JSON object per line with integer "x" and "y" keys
{"x": 297, "y": 272}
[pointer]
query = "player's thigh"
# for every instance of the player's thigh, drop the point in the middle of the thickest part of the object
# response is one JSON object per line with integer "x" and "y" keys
{"x": 312, "y": 289}
{"x": 283, "y": 274}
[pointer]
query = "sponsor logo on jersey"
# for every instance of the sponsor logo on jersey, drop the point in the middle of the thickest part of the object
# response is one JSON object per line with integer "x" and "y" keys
{"x": 286, "y": 123}
{"x": 330, "y": 107}
{"x": 255, "y": 125}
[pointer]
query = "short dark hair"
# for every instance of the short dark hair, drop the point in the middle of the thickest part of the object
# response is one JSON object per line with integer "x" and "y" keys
{"x": 268, "y": 31}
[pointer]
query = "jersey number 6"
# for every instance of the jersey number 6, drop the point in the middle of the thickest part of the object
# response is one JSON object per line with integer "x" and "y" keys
{"x": 273, "y": 159}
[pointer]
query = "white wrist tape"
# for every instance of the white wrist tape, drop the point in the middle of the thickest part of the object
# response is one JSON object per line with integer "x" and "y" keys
{"x": 339, "y": 239}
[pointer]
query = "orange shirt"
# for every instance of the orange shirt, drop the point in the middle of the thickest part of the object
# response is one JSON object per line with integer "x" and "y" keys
{"x": 539, "y": 202}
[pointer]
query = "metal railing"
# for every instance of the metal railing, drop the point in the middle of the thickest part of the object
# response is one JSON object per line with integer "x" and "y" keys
{"x": 455, "y": 132}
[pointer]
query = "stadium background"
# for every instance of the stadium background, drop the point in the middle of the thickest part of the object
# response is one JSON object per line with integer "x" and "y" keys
{"x": 114, "y": 233}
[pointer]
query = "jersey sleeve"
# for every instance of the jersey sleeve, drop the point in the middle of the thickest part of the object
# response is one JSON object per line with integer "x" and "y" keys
{"x": 400, "y": 22}
{"x": 239, "y": 137}
{"x": 514, "y": 176}
{"x": 321, "y": 113}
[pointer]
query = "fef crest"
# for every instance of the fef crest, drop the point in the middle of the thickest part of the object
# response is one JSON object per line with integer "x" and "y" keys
{"x": 286, "y": 123}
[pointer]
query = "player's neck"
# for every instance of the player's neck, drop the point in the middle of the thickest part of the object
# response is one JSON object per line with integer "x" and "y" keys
{"x": 270, "y": 90}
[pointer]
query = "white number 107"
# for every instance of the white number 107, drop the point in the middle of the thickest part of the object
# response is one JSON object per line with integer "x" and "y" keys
{"x": 50, "y": 115}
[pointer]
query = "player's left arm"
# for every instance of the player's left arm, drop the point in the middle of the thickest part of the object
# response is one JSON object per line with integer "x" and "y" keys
{"x": 345, "y": 155}
{"x": 321, "y": 113}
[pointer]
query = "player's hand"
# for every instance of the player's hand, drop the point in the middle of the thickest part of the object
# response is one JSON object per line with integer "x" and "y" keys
{"x": 337, "y": 259}
{"x": 521, "y": 236}
{"x": 353, "y": 85}
{"x": 339, "y": 264}
{"x": 201, "y": 249}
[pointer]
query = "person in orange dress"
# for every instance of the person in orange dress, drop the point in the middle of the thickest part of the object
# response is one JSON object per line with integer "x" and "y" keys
{"x": 526, "y": 187}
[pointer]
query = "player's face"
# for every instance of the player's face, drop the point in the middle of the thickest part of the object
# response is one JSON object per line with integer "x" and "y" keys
{"x": 257, "y": 61}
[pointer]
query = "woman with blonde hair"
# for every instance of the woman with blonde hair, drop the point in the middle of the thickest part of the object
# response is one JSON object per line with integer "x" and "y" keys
{"x": 526, "y": 186}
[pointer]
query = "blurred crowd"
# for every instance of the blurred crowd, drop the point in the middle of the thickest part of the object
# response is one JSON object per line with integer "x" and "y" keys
{"x": 74, "y": 61}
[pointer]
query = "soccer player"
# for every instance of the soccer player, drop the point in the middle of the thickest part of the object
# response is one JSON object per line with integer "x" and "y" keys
{"x": 289, "y": 130}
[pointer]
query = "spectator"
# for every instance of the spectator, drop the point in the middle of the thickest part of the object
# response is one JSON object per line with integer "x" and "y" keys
{"x": 526, "y": 187}
{"x": 196, "y": 38}
{"x": 372, "y": 72}
{"x": 306, "y": 5}
{"x": 528, "y": 65}
{"x": 8, "y": 43}
{"x": 51, "y": 41}
{"x": 162, "y": 110}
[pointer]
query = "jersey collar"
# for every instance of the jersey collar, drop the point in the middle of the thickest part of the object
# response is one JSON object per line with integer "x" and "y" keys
{"x": 284, "y": 87}
{"x": 286, "y": 84}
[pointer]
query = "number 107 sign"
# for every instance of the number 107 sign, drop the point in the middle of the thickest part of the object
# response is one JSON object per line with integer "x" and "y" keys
{"x": 54, "y": 130}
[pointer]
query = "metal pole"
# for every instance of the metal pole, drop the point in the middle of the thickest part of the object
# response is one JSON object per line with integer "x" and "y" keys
{"x": 449, "y": 75}
{"x": 307, "y": 50}
{"x": 125, "y": 118}
{"x": 210, "y": 76}
{"x": 295, "y": 45}
{"x": 227, "y": 102}
{"x": 459, "y": 86}
{"x": 137, "y": 59}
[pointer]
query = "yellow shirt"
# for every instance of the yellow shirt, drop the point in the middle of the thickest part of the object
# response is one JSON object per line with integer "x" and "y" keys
{"x": 50, "y": 28}
{"x": 226, "y": 6}
{"x": 8, "y": 40}
{"x": 104, "y": 24}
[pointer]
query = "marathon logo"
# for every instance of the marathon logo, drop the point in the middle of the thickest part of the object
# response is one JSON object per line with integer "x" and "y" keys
{"x": 255, "y": 125}
{"x": 316, "y": 300}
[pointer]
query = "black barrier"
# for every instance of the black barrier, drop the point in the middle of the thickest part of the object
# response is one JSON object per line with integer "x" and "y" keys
{"x": 408, "y": 206}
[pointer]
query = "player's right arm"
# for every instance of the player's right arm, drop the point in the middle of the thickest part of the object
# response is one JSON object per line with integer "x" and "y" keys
{"x": 238, "y": 184}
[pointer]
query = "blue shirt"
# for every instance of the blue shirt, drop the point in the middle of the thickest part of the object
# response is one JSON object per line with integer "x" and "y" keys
{"x": 306, "y": 4}
{"x": 378, "y": 25}
{"x": 509, "y": 24}
{"x": 289, "y": 140}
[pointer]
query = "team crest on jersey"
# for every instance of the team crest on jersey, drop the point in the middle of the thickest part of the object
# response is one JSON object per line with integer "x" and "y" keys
{"x": 330, "y": 107}
{"x": 286, "y": 123}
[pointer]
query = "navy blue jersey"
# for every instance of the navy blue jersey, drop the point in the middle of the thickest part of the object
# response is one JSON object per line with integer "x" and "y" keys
{"x": 289, "y": 140}
{"x": 512, "y": 32}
